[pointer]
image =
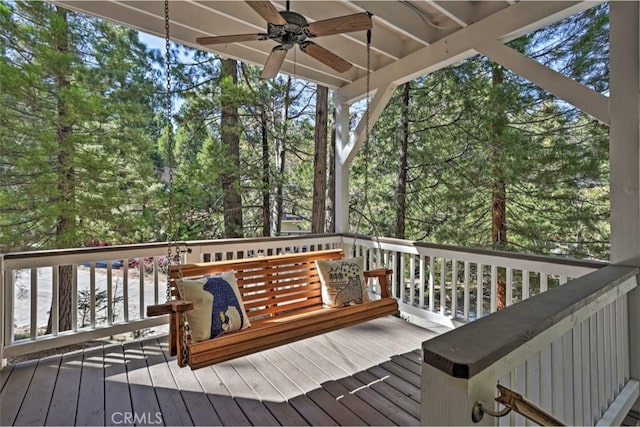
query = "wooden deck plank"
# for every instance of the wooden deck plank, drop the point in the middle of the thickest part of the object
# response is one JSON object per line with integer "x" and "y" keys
{"x": 14, "y": 391}
{"x": 62, "y": 409}
{"x": 390, "y": 393}
{"x": 314, "y": 415}
{"x": 116, "y": 386}
{"x": 321, "y": 405}
{"x": 402, "y": 373}
{"x": 173, "y": 410}
{"x": 4, "y": 375}
{"x": 403, "y": 386}
{"x": 228, "y": 410}
{"x": 195, "y": 397}
{"x": 285, "y": 414}
{"x": 294, "y": 373}
{"x": 40, "y": 392}
{"x": 245, "y": 396}
{"x": 407, "y": 363}
{"x": 283, "y": 386}
{"x": 360, "y": 407}
{"x": 372, "y": 397}
{"x": 143, "y": 399}
{"x": 91, "y": 389}
{"x": 339, "y": 412}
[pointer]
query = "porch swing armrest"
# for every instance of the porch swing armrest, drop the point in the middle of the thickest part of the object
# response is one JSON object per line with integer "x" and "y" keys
{"x": 168, "y": 308}
{"x": 382, "y": 274}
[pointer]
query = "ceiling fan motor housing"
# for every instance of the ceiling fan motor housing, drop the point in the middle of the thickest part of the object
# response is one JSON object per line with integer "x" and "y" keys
{"x": 291, "y": 33}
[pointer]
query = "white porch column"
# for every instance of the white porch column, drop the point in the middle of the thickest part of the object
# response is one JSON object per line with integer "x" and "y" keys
{"x": 624, "y": 137}
{"x": 342, "y": 167}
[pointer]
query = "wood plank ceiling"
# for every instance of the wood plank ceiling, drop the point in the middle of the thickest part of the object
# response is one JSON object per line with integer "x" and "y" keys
{"x": 409, "y": 38}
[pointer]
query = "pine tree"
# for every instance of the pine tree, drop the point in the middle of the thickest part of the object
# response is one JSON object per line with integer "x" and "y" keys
{"x": 75, "y": 106}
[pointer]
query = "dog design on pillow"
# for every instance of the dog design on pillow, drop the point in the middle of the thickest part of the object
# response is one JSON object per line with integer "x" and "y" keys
{"x": 227, "y": 313}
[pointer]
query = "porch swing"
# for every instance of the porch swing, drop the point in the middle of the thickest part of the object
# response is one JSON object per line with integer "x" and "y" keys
{"x": 269, "y": 301}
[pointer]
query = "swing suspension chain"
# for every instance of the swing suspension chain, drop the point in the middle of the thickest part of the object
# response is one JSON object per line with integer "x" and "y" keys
{"x": 367, "y": 155}
{"x": 171, "y": 231}
{"x": 169, "y": 113}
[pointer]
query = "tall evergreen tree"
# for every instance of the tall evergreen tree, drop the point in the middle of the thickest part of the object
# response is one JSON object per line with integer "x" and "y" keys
{"x": 75, "y": 103}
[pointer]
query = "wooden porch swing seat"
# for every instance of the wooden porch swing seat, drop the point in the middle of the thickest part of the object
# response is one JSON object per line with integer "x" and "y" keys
{"x": 283, "y": 299}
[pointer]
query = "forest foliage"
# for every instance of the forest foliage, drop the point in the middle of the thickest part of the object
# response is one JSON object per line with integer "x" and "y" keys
{"x": 84, "y": 144}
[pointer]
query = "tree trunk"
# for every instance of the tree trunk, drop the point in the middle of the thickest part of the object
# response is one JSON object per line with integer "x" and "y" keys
{"x": 318, "y": 212}
{"x": 499, "y": 193}
{"x": 281, "y": 157}
{"x": 230, "y": 177}
{"x": 331, "y": 194}
{"x": 401, "y": 186}
{"x": 266, "y": 208}
{"x": 65, "y": 224}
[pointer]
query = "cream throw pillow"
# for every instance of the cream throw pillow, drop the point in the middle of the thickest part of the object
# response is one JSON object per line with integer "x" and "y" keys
{"x": 343, "y": 282}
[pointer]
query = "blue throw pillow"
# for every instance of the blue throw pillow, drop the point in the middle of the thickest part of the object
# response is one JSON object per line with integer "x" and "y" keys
{"x": 218, "y": 307}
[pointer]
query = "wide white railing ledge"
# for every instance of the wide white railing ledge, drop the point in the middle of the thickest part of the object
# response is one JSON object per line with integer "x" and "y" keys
{"x": 567, "y": 350}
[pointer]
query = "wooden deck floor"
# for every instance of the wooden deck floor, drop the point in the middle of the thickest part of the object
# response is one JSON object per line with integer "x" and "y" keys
{"x": 363, "y": 375}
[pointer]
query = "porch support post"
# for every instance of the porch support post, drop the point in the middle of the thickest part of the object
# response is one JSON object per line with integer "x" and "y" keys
{"x": 624, "y": 136}
{"x": 341, "y": 166}
{"x": 348, "y": 145}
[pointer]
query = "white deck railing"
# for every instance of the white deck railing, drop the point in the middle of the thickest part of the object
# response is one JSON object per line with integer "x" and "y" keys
{"x": 567, "y": 351}
{"x": 452, "y": 285}
{"x": 112, "y": 286}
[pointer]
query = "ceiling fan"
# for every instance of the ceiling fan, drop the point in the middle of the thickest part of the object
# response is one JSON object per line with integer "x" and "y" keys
{"x": 290, "y": 28}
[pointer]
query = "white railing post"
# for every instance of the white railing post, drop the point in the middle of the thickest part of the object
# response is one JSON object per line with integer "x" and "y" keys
{"x": 633, "y": 301}
{"x": 561, "y": 350}
{"x": 449, "y": 401}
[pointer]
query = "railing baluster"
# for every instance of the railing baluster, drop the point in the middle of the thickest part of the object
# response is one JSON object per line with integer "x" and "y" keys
{"x": 412, "y": 279}
{"x": 576, "y": 337}
{"x": 454, "y": 288}
{"x": 92, "y": 293}
{"x": 467, "y": 294}
{"x": 432, "y": 284}
{"x": 74, "y": 297}
{"x": 567, "y": 377}
{"x": 480, "y": 291}
{"x": 556, "y": 377}
{"x": 525, "y": 285}
{"x": 55, "y": 295}
{"x": 594, "y": 362}
{"x": 110, "y": 299}
{"x": 141, "y": 281}
{"x": 586, "y": 373}
{"x": 423, "y": 281}
{"x": 509, "y": 287}
{"x": 34, "y": 304}
{"x": 494, "y": 289}
{"x": 443, "y": 286}
{"x": 125, "y": 292}
{"x": 401, "y": 273}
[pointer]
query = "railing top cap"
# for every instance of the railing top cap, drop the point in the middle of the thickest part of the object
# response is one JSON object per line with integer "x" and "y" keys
{"x": 468, "y": 350}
